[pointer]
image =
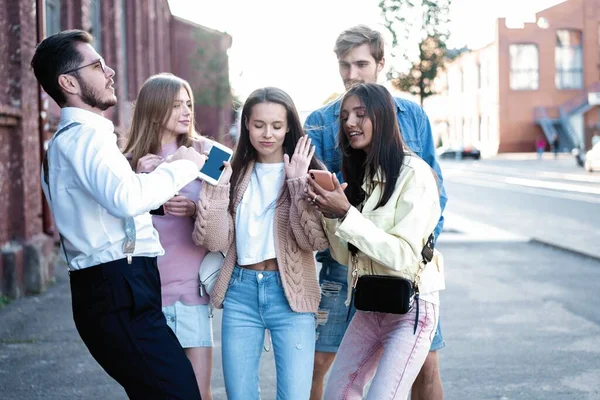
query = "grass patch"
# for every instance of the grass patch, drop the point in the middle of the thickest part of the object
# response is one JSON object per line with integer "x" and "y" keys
{"x": 4, "y": 301}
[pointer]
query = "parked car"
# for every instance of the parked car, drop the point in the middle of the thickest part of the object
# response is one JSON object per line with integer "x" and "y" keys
{"x": 458, "y": 152}
{"x": 592, "y": 159}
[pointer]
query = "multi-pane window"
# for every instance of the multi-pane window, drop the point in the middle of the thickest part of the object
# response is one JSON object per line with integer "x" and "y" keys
{"x": 569, "y": 59}
{"x": 524, "y": 67}
{"x": 52, "y": 17}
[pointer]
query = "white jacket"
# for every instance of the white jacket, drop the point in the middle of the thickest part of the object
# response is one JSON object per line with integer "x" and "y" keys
{"x": 390, "y": 238}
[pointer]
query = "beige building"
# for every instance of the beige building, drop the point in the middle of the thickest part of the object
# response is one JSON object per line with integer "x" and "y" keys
{"x": 540, "y": 79}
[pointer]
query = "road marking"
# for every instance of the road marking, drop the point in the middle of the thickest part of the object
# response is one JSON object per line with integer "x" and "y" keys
{"x": 525, "y": 189}
{"x": 468, "y": 230}
{"x": 479, "y": 168}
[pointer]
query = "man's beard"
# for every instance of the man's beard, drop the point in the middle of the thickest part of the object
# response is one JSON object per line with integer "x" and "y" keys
{"x": 91, "y": 97}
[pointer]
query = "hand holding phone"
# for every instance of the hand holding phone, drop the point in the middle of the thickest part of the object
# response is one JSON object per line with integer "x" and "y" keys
{"x": 214, "y": 166}
{"x": 323, "y": 178}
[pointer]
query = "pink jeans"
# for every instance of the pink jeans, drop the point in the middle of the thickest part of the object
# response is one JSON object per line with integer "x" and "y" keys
{"x": 384, "y": 346}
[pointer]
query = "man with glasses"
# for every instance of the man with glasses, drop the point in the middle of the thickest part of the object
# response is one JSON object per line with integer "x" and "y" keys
{"x": 100, "y": 208}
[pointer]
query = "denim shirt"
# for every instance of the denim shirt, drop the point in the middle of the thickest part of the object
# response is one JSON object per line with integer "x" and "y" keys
{"x": 322, "y": 127}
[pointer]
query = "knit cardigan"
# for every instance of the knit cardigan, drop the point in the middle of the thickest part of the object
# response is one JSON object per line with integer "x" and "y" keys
{"x": 297, "y": 229}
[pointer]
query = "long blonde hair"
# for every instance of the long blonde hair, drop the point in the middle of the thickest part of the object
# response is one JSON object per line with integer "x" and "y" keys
{"x": 153, "y": 108}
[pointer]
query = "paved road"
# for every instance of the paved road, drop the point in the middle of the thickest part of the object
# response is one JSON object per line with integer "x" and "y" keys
{"x": 550, "y": 200}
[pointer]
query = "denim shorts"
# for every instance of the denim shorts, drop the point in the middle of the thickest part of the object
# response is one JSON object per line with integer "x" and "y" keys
{"x": 333, "y": 317}
{"x": 191, "y": 324}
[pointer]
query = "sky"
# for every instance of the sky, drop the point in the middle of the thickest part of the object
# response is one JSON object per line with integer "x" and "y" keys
{"x": 289, "y": 43}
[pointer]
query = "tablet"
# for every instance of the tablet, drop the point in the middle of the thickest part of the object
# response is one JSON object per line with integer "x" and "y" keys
{"x": 213, "y": 167}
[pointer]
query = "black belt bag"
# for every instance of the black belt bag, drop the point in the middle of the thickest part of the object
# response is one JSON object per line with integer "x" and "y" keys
{"x": 388, "y": 294}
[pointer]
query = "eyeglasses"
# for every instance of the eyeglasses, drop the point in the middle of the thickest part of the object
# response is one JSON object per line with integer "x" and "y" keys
{"x": 102, "y": 65}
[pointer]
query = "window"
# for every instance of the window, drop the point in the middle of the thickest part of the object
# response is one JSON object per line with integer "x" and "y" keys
{"x": 569, "y": 59}
{"x": 96, "y": 25}
{"x": 524, "y": 67}
{"x": 52, "y": 17}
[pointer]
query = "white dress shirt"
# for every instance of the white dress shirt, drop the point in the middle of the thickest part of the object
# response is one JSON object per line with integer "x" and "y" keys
{"x": 94, "y": 189}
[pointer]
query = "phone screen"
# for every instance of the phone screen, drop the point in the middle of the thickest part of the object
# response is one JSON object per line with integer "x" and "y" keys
{"x": 213, "y": 167}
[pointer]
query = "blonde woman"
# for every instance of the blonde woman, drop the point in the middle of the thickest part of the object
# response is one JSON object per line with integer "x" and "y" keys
{"x": 163, "y": 120}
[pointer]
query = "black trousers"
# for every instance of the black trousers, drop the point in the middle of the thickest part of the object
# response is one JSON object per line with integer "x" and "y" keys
{"x": 117, "y": 312}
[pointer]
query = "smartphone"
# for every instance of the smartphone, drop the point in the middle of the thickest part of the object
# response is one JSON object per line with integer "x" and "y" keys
{"x": 323, "y": 178}
{"x": 213, "y": 168}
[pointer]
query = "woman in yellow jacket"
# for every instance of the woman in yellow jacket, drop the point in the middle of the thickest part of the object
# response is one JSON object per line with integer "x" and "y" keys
{"x": 378, "y": 225}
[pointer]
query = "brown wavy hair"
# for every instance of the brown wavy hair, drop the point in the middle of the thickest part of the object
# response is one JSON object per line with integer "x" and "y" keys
{"x": 153, "y": 108}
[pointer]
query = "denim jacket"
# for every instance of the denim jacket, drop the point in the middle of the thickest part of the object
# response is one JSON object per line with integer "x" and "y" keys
{"x": 322, "y": 127}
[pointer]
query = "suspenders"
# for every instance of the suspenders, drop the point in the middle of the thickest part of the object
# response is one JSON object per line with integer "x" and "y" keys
{"x": 130, "y": 232}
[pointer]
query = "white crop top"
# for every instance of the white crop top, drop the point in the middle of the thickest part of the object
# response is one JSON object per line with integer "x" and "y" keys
{"x": 255, "y": 240}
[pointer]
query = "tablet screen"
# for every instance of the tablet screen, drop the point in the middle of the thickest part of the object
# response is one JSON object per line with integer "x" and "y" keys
{"x": 214, "y": 164}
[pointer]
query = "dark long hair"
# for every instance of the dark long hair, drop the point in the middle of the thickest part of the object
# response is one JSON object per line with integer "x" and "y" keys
{"x": 386, "y": 153}
{"x": 245, "y": 152}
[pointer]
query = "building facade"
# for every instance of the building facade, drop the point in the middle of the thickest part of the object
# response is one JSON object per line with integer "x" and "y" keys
{"x": 138, "y": 38}
{"x": 540, "y": 79}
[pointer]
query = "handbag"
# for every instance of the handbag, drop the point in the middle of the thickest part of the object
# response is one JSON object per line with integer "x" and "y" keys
{"x": 388, "y": 294}
{"x": 209, "y": 271}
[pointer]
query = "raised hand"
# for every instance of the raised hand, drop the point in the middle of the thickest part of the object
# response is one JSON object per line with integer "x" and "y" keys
{"x": 297, "y": 167}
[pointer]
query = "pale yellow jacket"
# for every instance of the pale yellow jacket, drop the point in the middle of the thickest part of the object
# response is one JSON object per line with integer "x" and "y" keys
{"x": 390, "y": 238}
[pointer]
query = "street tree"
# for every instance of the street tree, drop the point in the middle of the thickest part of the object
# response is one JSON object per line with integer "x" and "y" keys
{"x": 419, "y": 30}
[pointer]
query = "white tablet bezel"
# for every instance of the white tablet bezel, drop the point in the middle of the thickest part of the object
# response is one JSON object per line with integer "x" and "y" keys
{"x": 209, "y": 179}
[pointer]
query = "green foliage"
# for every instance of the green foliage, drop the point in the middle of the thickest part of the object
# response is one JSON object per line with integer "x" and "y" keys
{"x": 423, "y": 24}
{"x": 4, "y": 301}
{"x": 213, "y": 65}
{"x": 419, "y": 79}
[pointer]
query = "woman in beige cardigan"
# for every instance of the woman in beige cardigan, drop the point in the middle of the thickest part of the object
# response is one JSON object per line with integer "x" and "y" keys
{"x": 268, "y": 279}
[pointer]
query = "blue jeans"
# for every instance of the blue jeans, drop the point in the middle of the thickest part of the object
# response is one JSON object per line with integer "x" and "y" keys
{"x": 255, "y": 301}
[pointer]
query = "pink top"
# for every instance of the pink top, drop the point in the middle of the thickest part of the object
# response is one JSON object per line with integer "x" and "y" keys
{"x": 179, "y": 266}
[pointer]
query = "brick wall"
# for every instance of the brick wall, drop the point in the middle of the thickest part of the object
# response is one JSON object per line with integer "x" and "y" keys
{"x": 27, "y": 239}
{"x": 202, "y": 61}
{"x": 25, "y": 266}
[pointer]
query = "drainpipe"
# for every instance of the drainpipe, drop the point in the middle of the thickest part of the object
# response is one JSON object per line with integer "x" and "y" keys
{"x": 40, "y": 12}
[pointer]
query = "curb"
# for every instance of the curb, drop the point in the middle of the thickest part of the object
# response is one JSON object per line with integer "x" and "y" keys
{"x": 571, "y": 250}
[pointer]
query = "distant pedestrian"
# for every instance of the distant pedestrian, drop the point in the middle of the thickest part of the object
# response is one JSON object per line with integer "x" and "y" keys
{"x": 268, "y": 279}
{"x": 100, "y": 207}
{"x": 555, "y": 144}
{"x": 167, "y": 98}
{"x": 540, "y": 146}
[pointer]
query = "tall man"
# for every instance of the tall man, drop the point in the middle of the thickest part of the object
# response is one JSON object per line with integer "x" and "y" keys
{"x": 360, "y": 54}
{"x": 100, "y": 208}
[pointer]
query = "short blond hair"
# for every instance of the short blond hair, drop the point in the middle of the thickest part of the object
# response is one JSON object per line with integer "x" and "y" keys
{"x": 357, "y": 36}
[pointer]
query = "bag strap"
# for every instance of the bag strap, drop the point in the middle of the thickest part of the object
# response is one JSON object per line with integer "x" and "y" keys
{"x": 47, "y": 178}
{"x": 426, "y": 257}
